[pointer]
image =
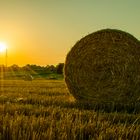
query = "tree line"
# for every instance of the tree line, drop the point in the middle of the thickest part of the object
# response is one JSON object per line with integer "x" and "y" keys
{"x": 32, "y": 68}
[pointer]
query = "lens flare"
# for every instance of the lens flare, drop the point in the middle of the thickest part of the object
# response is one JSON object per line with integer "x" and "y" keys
{"x": 3, "y": 47}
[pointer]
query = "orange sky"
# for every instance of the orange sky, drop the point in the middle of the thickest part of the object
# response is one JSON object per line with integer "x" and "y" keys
{"x": 43, "y": 31}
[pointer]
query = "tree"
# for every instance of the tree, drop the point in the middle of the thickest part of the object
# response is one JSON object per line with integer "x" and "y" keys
{"x": 15, "y": 67}
{"x": 59, "y": 68}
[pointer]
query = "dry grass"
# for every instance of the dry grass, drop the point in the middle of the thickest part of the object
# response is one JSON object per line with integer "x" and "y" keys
{"x": 104, "y": 66}
{"x": 43, "y": 110}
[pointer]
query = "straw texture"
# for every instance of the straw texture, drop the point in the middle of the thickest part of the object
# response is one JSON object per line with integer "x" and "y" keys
{"x": 104, "y": 66}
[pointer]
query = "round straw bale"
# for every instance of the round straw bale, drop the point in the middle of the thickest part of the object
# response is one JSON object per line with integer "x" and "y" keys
{"x": 104, "y": 66}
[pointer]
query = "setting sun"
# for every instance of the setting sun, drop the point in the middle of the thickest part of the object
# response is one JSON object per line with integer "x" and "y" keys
{"x": 3, "y": 47}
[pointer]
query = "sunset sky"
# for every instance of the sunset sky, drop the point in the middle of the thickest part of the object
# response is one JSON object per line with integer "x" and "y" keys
{"x": 43, "y": 31}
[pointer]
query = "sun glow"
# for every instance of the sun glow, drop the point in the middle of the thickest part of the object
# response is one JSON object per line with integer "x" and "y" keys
{"x": 3, "y": 47}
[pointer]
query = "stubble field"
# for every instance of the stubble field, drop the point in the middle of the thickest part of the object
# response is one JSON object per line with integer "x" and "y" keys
{"x": 44, "y": 110}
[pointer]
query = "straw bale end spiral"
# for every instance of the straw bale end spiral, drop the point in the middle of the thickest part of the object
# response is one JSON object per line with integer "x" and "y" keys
{"x": 104, "y": 66}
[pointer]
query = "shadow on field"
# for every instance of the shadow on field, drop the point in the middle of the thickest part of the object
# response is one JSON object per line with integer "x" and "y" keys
{"x": 104, "y": 107}
{"x": 107, "y": 107}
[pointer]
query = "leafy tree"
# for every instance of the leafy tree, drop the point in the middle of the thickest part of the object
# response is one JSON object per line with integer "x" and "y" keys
{"x": 15, "y": 67}
{"x": 59, "y": 68}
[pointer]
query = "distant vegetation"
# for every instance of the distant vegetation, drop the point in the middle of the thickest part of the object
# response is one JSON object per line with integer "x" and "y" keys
{"x": 36, "y": 71}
